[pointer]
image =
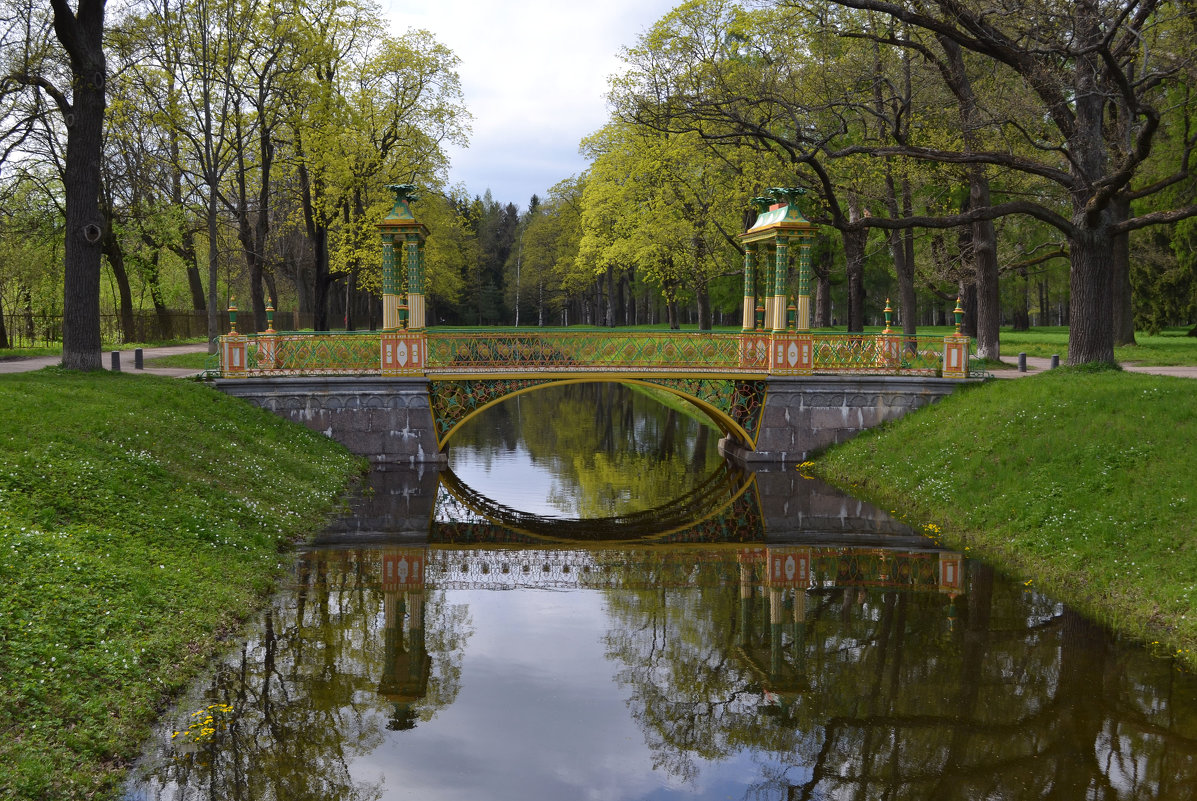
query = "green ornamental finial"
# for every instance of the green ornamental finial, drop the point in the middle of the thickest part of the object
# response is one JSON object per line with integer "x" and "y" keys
{"x": 762, "y": 204}
{"x": 787, "y": 195}
{"x": 405, "y": 195}
{"x": 404, "y": 192}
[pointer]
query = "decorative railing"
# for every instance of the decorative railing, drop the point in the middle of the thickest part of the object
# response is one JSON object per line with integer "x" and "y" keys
{"x": 312, "y": 354}
{"x": 877, "y": 353}
{"x": 567, "y": 351}
{"x": 562, "y": 351}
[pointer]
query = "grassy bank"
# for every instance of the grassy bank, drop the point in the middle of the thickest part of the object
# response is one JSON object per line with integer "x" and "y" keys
{"x": 141, "y": 521}
{"x": 1084, "y": 484}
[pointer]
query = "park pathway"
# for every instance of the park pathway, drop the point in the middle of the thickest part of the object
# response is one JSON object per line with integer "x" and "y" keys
{"x": 1037, "y": 364}
{"x": 126, "y": 361}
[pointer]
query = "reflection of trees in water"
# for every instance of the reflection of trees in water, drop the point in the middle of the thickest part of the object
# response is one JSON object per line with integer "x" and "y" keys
{"x": 612, "y": 450}
{"x": 306, "y": 689}
{"x": 690, "y": 693}
{"x": 883, "y": 694}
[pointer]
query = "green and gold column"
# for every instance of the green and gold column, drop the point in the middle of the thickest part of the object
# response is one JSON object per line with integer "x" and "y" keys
{"x": 781, "y": 271}
{"x": 391, "y": 289}
{"x": 804, "y": 244}
{"x": 415, "y": 283}
{"x": 749, "y": 287}
{"x": 754, "y": 344}
{"x": 402, "y": 345}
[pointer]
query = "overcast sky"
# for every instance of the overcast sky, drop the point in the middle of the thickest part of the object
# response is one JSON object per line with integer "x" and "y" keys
{"x": 534, "y": 74}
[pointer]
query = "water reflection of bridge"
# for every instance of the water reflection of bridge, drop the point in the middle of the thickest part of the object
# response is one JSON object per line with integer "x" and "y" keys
{"x": 777, "y": 541}
{"x": 720, "y": 508}
{"x": 766, "y": 568}
{"x": 423, "y": 506}
{"x": 774, "y": 585}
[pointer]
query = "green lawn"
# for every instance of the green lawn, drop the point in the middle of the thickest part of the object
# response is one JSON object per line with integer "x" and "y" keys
{"x": 142, "y": 520}
{"x": 1171, "y": 347}
{"x": 29, "y": 353}
{"x": 188, "y": 361}
{"x": 1081, "y": 483}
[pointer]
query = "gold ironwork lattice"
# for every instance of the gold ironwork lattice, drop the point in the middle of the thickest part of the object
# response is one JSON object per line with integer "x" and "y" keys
{"x": 566, "y": 351}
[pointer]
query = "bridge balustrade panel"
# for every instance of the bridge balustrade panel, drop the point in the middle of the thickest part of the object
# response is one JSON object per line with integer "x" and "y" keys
{"x": 572, "y": 351}
{"x": 314, "y": 354}
{"x": 508, "y": 352}
{"x": 877, "y": 353}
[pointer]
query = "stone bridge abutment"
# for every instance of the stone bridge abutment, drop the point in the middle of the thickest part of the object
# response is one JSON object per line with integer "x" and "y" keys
{"x": 390, "y": 420}
{"x": 805, "y": 415}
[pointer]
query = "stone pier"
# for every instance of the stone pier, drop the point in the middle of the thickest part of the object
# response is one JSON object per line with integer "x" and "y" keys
{"x": 387, "y": 420}
{"x": 804, "y": 415}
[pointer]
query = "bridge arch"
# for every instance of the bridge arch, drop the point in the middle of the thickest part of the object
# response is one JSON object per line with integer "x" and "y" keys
{"x": 734, "y": 405}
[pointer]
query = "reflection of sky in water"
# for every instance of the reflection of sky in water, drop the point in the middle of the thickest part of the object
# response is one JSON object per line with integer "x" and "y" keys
{"x": 510, "y": 475}
{"x": 539, "y": 716}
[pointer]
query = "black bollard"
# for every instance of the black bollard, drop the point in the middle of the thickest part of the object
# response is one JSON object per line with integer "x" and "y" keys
{"x": 138, "y": 359}
{"x": 1022, "y": 362}
{"x": 116, "y": 361}
{"x": 1055, "y": 360}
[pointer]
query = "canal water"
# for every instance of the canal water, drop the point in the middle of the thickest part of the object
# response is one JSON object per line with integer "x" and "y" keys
{"x": 591, "y": 604}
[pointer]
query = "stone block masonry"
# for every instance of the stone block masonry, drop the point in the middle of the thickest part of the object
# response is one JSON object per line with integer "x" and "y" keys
{"x": 387, "y": 420}
{"x": 807, "y": 414}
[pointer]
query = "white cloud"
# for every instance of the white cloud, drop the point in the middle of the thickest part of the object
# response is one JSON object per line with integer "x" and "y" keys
{"x": 534, "y": 74}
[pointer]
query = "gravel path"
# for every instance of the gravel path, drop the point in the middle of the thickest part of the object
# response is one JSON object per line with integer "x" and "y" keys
{"x": 126, "y": 361}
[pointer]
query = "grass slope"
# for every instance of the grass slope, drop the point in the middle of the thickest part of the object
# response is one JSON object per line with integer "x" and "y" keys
{"x": 141, "y": 521}
{"x": 1083, "y": 483}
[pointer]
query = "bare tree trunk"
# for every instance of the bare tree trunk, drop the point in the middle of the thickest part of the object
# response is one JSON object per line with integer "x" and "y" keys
{"x": 253, "y": 235}
{"x": 901, "y": 244}
{"x": 631, "y": 314}
{"x": 984, "y": 240}
{"x": 213, "y": 271}
{"x": 318, "y": 234}
{"x": 901, "y": 255}
{"x": 30, "y": 328}
{"x": 610, "y": 296}
{"x": 4, "y": 342}
{"x": 1123, "y": 317}
{"x": 112, "y": 249}
{"x": 989, "y": 310}
{"x": 822, "y": 271}
{"x": 1090, "y": 334}
{"x": 82, "y": 37}
{"x": 703, "y": 294}
{"x": 968, "y": 302}
{"x": 1022, "y": 312}
{"x": 154, "y": 279}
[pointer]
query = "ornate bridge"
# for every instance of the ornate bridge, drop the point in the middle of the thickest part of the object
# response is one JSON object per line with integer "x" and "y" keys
{"x": 727, "y": 375}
